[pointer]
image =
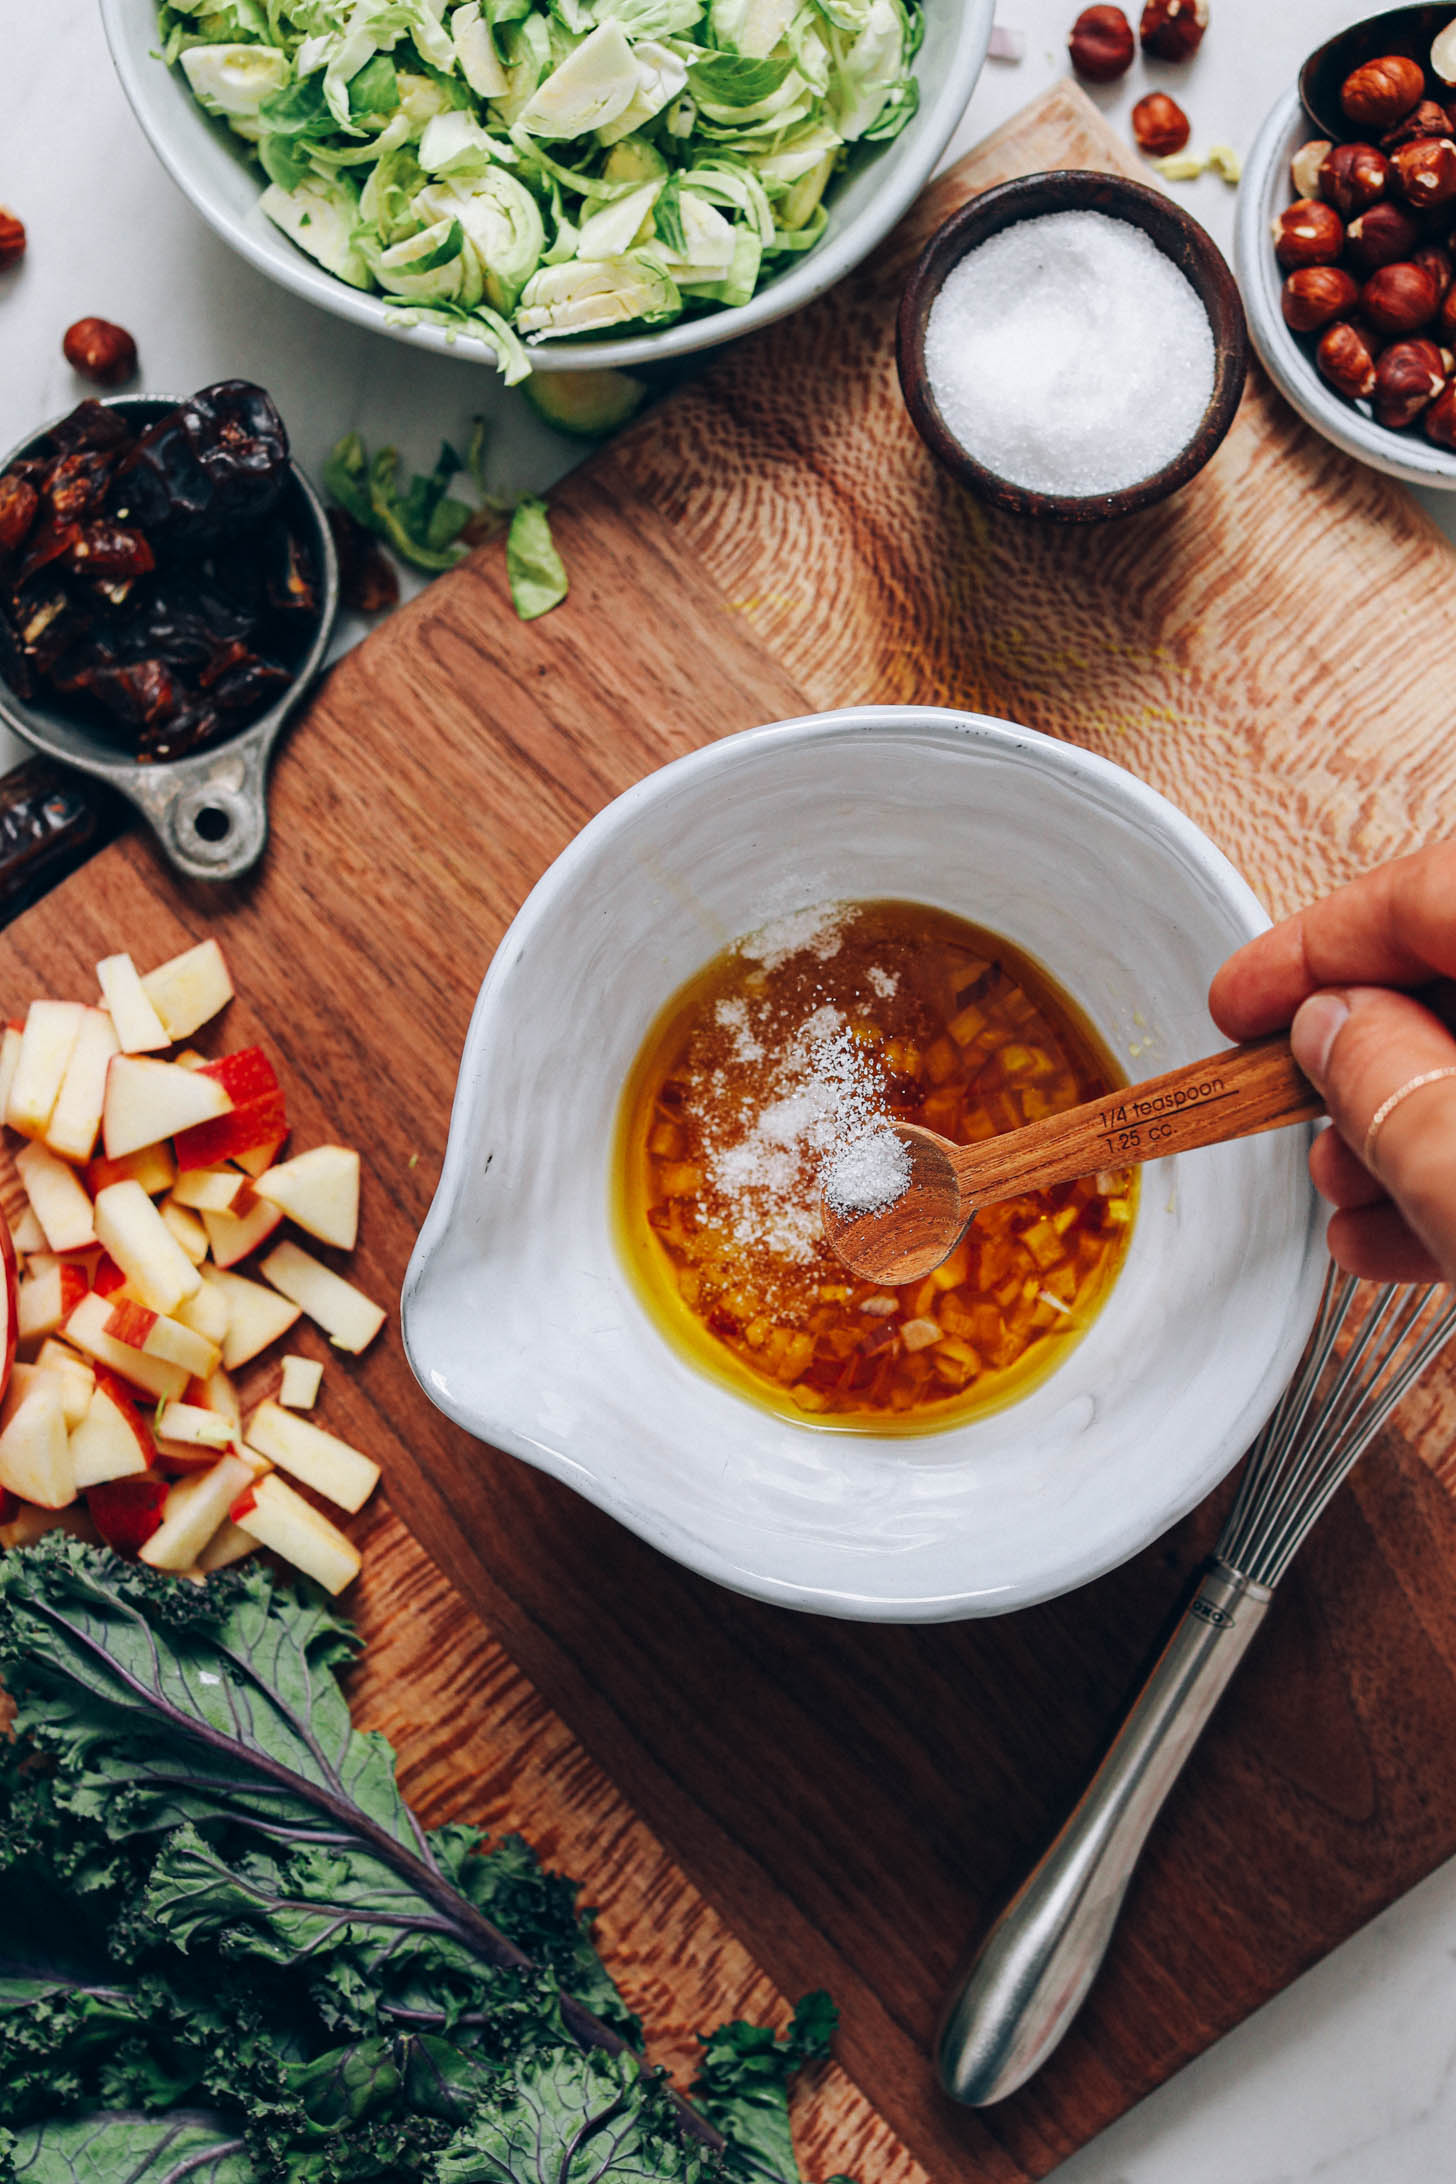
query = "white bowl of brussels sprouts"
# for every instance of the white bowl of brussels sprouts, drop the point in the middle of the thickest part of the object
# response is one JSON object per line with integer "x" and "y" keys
{"x": 575, "y": 183}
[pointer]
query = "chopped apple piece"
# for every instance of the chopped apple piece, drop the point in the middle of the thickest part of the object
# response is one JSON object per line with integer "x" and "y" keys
{"x": 77, "y": 1379}
{"x": 235, "y": 1135}
{"x": 149, "y": 1255}
{"x": 189, "y": 1422}
{"x": 147, "y": 1100}
{"x": 26, "y": 1233}
{"x": 218, "y": 1393}
{"x": 76, "y": 1117}
{"x": 189, "y": 989}
{"x": 26, "y": 1524}
{"x": 302, "y": 1377}
{"x": 9, "y": 1056}
{"x": 143, "y": 1328}
{"x": 35, "y": 1454}
{"x": 245, "y": 1075}
{"x": 319, "y": 1190}
{"x": 87, "y": 1328}
{"x": 232, "y": 1238}
{"x": 45, "y": 1301}
{"x": 139, "y": 1029}
{"x": 258, "y": 1159}
{"x": 186, "y": 1227}
{"x": 206, "y": 1313}
{"x": 113, "y": 1440}
{"x": 256, "y": 1316}
{"x": 194, "y": 1509}
{"x": 57, "y": 1199}
{"x": 346, "y": 1315}
{"x": 214, "y": 1189}
{"x": 272, "y": 1513}
{"x": 128, "y": 1510}
{"x": 229, "y": 1544}
{"x": 153, "y": 1167}
{"x": 330, "y": 1466}
{"x": 51, "y": 1030}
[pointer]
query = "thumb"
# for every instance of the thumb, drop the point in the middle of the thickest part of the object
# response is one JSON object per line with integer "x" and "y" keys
{"x": 1386, "y": 1068}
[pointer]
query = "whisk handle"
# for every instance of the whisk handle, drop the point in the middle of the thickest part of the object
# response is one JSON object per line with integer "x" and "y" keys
{"x": 1029, "y": 1976}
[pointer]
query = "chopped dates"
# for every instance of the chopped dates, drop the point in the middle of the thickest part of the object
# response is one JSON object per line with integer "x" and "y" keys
{"x": 151, "y": 580}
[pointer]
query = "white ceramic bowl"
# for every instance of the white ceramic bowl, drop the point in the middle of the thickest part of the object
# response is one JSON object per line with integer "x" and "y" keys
{"x": 208, "y": 165}
{"x": 521, "y": 1322}
{"x": 1264, "y": 192}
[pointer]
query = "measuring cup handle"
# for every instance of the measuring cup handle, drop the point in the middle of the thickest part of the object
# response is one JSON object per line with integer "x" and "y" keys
{"x": 212, "y": 820}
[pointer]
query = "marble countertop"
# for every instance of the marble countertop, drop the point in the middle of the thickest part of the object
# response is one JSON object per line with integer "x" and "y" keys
{"x": 1350, "y": 2076}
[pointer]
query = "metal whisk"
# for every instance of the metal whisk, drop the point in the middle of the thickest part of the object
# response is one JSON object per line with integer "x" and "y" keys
{"x": 1029, "y": 1977}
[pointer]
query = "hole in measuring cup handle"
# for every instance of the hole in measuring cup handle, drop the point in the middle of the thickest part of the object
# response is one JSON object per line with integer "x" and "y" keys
{"x": 216, "y": 828}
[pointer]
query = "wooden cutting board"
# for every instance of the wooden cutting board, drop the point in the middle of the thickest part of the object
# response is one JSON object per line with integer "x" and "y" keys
{"x": 763, "y": 1802}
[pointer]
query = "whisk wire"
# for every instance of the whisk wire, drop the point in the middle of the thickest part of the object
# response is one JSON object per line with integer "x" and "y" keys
{"x": 1328, "y": 1415}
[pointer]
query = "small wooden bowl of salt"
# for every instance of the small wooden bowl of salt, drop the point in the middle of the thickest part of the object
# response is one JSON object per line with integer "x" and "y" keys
{"x": 1072, "y": 346}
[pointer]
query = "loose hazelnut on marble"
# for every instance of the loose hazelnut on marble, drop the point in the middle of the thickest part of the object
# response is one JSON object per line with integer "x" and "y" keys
{"x": 1381, "y": 235}
{"x": 1353, "y": 177}
{"x": 1382, "y": 92}
{"x": 1160, "y": 125}
{"x": 1101, "y": 44}
{"x": 1400, "y": 298}
{"x": 1315, "y": 295}
{"x": 1308, "y": 233}
{"x": 12, "y": 240}
{"x": 100, "y": 351}
{"x": 1408, "y": 376}
{"x": 1440, "y": 418}
{"x": 1425, "y": 172}
{"x": 1424, "y": 119}
{"x": 1304, "y": 167}
{"x": 1346, "y": 358}
{"x": 1172, "y": 30}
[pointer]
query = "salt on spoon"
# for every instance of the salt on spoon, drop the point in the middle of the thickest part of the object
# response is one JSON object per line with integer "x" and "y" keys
{"x": 1069, "y": 355}
{"x": 1232, "y": 1095}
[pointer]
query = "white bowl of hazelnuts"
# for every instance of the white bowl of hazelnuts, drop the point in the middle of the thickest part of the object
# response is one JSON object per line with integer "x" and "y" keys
{"x": 1346, "y": 258}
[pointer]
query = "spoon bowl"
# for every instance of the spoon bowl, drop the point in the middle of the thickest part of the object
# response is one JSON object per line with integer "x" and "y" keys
{"x": 1407, "y": 31}
{"x": 908, "y": 1239}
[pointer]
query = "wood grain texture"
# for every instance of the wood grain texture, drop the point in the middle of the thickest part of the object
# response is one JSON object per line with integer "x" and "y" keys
{"x": 838, "y": 1804}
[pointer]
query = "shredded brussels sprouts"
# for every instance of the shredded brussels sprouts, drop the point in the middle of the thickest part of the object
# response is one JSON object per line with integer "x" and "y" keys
{"x": 519, "y": 171}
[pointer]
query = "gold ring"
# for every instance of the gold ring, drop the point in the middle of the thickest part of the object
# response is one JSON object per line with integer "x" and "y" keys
{"x": 1388, "y": 1106}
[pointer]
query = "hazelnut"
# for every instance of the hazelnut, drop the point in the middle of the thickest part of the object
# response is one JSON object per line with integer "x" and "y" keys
{"x": 1440, "y": 418}
{"x": 1443, "y": 53}
{"x": 1101, "y": 44}
{"x": 1408, "y": 375}
{"x": 1425, "y": 172}
{"x": 12, "y": 240}
{"x": 1160, "y": 125}
{"x": 1400, "y": 298}
{"x": 1346, "y": 358}
{"x": 1172, "y": 30}
{"x": 1308, "y": 233}
{"x": 1424, "y": 119}
{"x": 1436, "y": 259}
{"x": 1304, "y": 167}
{"x": 1446, "y": 316}
{"x": 1380, "y": 236}
{"x": 1316, "y": 294}
{"x": 1353, "y": 176}
{"x": 100, "y": 351}
{"x": 1382, "y": 92}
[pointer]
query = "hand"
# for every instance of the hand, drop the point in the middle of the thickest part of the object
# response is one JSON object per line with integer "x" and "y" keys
{"x": 1328, "y": 972}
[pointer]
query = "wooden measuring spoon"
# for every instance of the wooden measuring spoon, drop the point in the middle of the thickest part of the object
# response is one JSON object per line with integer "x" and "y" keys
{"x": 1231, "y": 1095}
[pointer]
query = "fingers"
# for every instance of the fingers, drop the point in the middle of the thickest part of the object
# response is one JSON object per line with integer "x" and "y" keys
{"x": 1339, "y": 1176}
{"x": 1375, "y": 1243}
{"x": 1360, "y": 1047}
{"x": 1395, "y": 926}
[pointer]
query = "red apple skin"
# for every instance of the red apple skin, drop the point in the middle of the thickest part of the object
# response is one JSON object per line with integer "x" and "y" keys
{"x": 108, "y": 1277}
{"x": 9, "y": 1282}
{"x": 174, "y": 1464}
{"x": 245, "y": 1076}
{"x": 9, "y": 1503}
{"x": 126, "y": 1512}
{"x": 208, "y": 1144}
{"x": 74, "y": 1286}
{"x": 246, "y": 1501}
{"x": 131, "y": 1323}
